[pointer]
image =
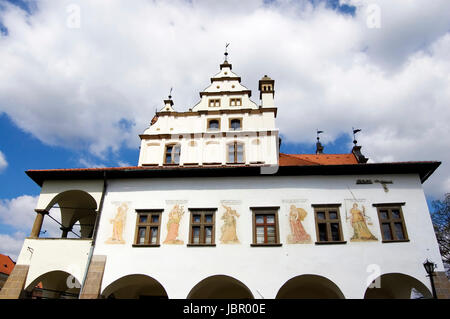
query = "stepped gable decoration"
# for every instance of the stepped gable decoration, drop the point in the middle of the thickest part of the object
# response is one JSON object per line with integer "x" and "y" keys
{"x": 118, "y": 223}
{"x": 173, "y": 225}
{"x": 228, "y": 229}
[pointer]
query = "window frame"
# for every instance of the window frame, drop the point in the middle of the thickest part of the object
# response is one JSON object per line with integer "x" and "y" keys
{"x": 208, "y": 124}
{"x": 272, "y": 210}
{"x": 173, "y": 145}
{"x": 235, "y": 144}
{"x": 148, "y": 227}
{"x": 214, "y": 103}
{"x": 236, "y": 100}
{"x": 202, "y": 224}
{"x": 392, "y": 221}
{"x": 235, "y": 119}
{"x": 327, "y": 208}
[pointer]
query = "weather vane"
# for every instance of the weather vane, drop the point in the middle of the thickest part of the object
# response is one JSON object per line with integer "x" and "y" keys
{"x": 226, "y": 53}
{"x": 318, "y": 132}
{"x": 354, "y": 135}
{"x": 170, "y": 93}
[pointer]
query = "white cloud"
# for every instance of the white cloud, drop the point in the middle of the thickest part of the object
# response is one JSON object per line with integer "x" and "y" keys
{"x": 332, "y": 71}
{"x": 3, "y": 162}
{"x": 11, "y": 245}
{"x": 19, "y": 213}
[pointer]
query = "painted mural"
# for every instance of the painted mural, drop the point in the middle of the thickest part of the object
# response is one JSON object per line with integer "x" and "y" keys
{"x": 228, "y": 229}
{"x": 118, "y": 225}
{"x": 173, "y": 225}
{"x": 298, "y": 233}
{"x": 359, "y": 220}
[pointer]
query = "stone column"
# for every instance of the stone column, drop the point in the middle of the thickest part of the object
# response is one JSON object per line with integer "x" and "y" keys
{"x": 93, "y": 282}
{"x": 15, "y": 283}
{"x": 442, "y": 285}
{"x": 35, "y": 231}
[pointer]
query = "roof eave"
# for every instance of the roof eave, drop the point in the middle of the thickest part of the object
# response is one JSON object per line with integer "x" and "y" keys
{"x": 423, "y": 169}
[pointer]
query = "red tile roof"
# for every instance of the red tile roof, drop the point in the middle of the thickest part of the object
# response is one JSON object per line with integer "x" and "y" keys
{"x": 6, "y": 264}
{"x": 316, "y": 159}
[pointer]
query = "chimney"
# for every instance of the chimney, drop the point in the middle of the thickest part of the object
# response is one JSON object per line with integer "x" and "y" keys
{"x": 266, "y": 89}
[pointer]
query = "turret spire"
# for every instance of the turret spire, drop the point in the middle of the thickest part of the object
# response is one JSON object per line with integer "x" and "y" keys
{"x": 319, "y": 147}
{"x": 356, "y": 150}
{"x": 226, "y": 53}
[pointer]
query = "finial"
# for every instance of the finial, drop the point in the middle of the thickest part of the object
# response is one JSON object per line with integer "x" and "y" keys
{"x": 319, "y": 147}
{"x": 170, "y": 94}
{"x": 318, "y": 132}
{"x": 226, "y": 53}
{"x": 354, "y": 135}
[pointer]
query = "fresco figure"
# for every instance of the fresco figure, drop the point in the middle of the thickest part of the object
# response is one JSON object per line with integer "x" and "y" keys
{"x": 229, "y": 235}
{"x": 173, "y": 224}
{"x": 118, "y": 225}
{"x": 360, "y": 230}
{"x": 298, "y": 233}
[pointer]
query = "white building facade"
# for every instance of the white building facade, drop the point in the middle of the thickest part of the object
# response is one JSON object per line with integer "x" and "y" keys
{"x": 213, "y": 210}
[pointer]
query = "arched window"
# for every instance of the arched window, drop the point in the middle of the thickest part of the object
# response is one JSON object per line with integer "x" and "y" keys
{"x": 172, "y": 154}
{"x": 213, "y": 125}
{"x": 235, "y": 124}
{"x": 236, "y": 152}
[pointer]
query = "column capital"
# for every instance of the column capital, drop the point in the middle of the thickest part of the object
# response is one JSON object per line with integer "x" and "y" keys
{"x": 41, "y": 211}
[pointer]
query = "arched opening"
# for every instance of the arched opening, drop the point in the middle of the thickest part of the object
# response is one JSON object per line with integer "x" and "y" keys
{"x": 220, "y": 287}
{"x": 77, "y": 214}
{"x": 135, "y": 287}
{"x": 309, "y": 287}
{"x": 53, "y": 285}
{"x": 397, "y": 286}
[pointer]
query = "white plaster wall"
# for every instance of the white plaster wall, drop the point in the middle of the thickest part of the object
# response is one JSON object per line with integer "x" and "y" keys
{"x": 179, "y": 268}
{"x": 267, "y": 100}
{"x": 168, "y": 124}
{"x": 69, "y": 255}
{"x": 54, "y": 187}
{"x": 203, "y": 152}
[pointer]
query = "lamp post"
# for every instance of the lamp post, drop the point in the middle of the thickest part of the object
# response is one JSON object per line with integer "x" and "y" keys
{"x": 429, "y": 268}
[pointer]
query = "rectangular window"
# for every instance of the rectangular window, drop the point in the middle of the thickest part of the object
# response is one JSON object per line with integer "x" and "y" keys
{"x": 236, "y": 153}
{"x": 213, "y": 124}
{"x": 236, "y": 102}
{"x": 202, "y": 227}
{"x": 172, "y": 154}
{"x": 265, "y": 226}
{"x": 214, "y": 102}
{"x": 235, "y": 124}
{"x": 392, "y": 224}
{"x": 328, "y": 223}
{"x": 148, "y": 227}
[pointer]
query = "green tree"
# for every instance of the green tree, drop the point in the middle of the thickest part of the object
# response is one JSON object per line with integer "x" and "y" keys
{"x": 441, "y": 223}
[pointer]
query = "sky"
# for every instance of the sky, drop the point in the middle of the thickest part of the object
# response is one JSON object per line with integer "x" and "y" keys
{"x": 80, "y": 80}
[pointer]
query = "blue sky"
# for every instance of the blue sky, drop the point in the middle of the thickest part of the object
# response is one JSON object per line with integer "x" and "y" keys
{"x": 79, "y": 97}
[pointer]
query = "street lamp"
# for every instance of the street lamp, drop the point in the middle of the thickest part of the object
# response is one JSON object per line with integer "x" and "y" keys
{"x": 429, "y": 268}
